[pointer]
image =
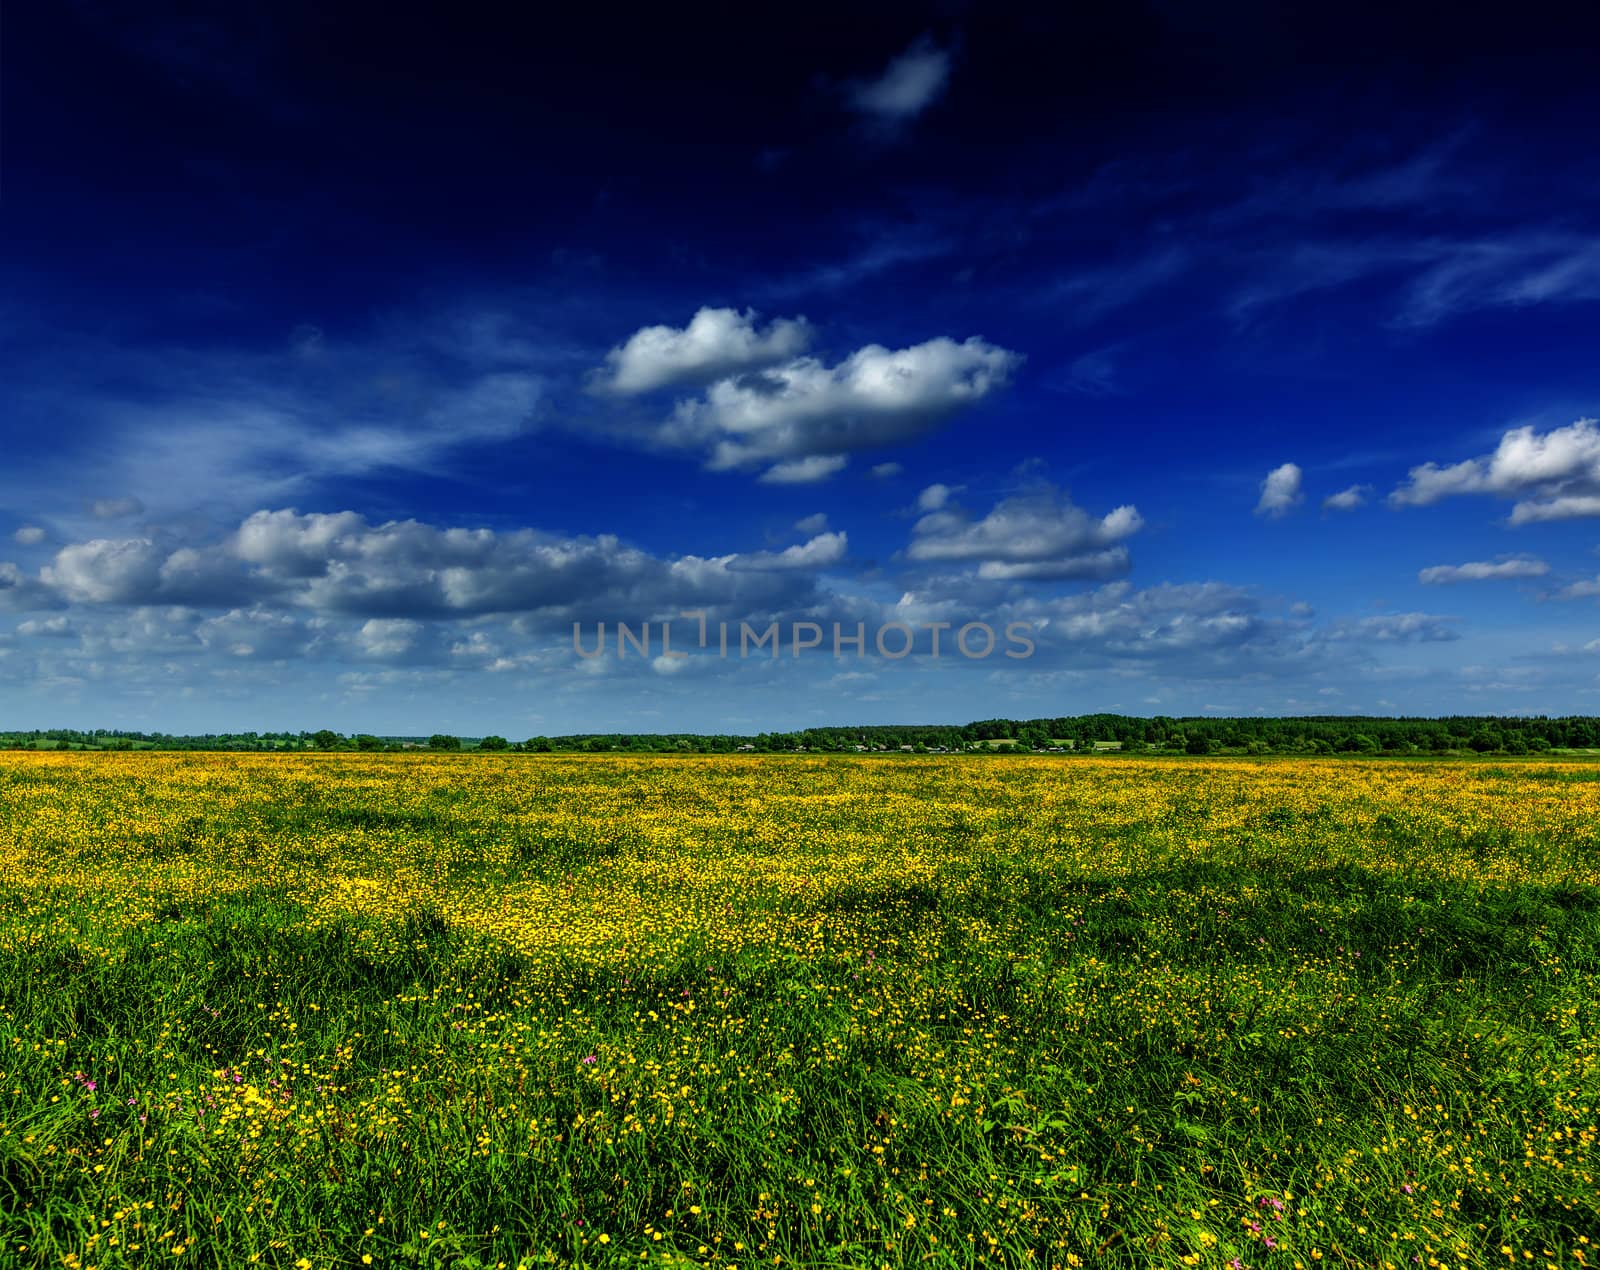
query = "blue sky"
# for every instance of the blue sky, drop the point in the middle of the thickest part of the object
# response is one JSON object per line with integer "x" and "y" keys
{"x": 1247, "y": 362}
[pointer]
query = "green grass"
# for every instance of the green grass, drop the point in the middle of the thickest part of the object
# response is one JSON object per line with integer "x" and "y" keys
{"x": 1038, "y": 1051}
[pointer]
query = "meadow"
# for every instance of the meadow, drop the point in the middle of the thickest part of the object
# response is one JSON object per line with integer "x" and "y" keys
{"x": 473, "y": 1011}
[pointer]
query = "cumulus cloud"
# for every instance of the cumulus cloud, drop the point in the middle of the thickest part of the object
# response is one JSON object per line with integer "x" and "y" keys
{"x": 908, "y": 85}
{"x": 115, "y": 508}
{"x": 817, "y": 553}
{"x": 804, "y": 408}
{"x": 1347, "y": 499}
{"x": 1483, "y": 570}
{"x": 261, "y": 633}
{"x": 807, "y": 471}
{"x": 339, "y": 564}
{"x": 1554, "y": 475}
{"x": 106, "y": 571}
{"x": 388, "y": 637}
{"x": 716, "y": 343}
{"x": 1039, "y": 535}
{"x": 936, "y": 496}
{"x": 814, "y": 524}
{"x": 28, "y": 536}
{"x": 130, "y": 571}
{"x": 1280, "y": 491}
{"x": 883, "y": 471}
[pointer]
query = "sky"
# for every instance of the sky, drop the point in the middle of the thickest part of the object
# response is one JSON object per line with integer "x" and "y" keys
{"x": 358, "y": 363}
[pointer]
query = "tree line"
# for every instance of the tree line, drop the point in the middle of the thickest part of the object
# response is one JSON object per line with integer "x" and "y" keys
{"x": 1077, "y": 734}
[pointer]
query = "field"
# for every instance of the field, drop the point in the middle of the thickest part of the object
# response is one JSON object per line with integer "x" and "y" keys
{"x": 467, "y": 1011}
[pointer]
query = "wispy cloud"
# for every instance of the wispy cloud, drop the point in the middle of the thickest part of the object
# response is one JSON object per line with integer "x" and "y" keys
{"x": 910, "y": 83}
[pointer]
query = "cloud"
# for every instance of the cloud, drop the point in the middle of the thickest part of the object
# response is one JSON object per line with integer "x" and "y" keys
{"x": 260, "y": 633}
{"x": 49, "y": 627}
{"x": 1157, "y": 621}
{"x": 1436, "y": 279}
{"x": 1280, "y": 491}
{"x": 106, "y": 571}
{"x": 1586, "y": 589}
{"x": 806, "y": 471}
{"x": 1482, "y": 570}
{"x": 388, "y": 637}
{"x": 814, "y": 524}
{"x": 115, "y": 508}
{"x": 141, "y": 571}
{"x": 817, "y": 553}
{"x": 340, "y": 564}
{"x": 716, "y": 343}
{"x": 1094, "y": 374}
{"x": 804, "y": 408}
{"x": 21, "y": 594}
{"x": 1035, "y": 536}
{"x": 1392, "y": 628}
{"x": 936, "y": 496}
{"x": 28, "y": 536}
{"x": 1555, "y": 475}
{"x": 1347, "y": 499}
{"x": 908, "y": 85}
{"x": 171, "y": 427}
{"x": 1531, "y": 267}
{"x": 883, "y": 471}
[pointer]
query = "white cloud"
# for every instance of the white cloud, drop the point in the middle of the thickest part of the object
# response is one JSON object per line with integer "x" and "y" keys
{"x": 28, "y": 536}
{"x": 260, "y": 633}
{"x": 1280, "y": 491}
{"x": 55, "y": 627}
{"x": 716, "y": 343}
{"x": 1040, "y": 535}
{"x": 908, "y": 86}
{"x": 388, "y": 637}
{"x": 1392, "y": 628}
{"x": 339, "y": 564}
{"x": 1483, "y": 570}
{"x": 875, "y": 397}
{"x": 106, "y": 571}
{"x": 115, "y": 508}
{"x": 1513, "y": 271}
{"x": 936, "y": 496}
{"x": 814, "y": 524}
{"x": 20, "y": 594}
{"x": 1562, "y": 507}
{"x": 806, "y": 471}
{"x": 883, "y": 471}
{"x": 1347, "y": 499}
{"x": 1555, "y": 475}
{"x": 819, "y": 552}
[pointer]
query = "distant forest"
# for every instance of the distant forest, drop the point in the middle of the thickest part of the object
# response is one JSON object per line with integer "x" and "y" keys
{"x": 1079, "y": 734}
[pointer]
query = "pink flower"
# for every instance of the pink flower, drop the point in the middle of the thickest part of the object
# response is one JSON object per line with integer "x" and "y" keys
{"x": 590, "y": 1059}
{"x": 1407, "y": 1188}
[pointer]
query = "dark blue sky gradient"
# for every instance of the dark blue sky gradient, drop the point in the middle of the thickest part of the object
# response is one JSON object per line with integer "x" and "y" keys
{"x": 372, "y": 259}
